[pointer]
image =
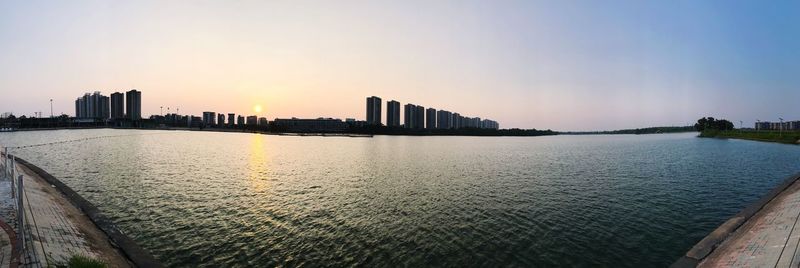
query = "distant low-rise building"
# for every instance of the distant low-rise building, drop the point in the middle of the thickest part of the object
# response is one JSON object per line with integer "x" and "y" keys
{"x": 252, "y": 120}
{"x": 352, "y": 122}
{"x": 194, "y": 121}
{"x": 490, "y": 124}
{"x": 788, "y": 125}
{"x": 793, "y": 125}
{"x": 310, "y": 125}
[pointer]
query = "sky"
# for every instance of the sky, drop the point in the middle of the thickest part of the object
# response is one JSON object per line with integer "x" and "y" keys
{"x": 561, "y": 65}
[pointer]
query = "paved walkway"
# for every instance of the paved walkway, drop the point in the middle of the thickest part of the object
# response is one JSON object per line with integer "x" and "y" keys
{"x": 55, "y": 229}
{"x": 6, "y": 247}
{"x": 8, "y": 222}
{"x": 55, "y": 238}
{"x": 771, "y": 238}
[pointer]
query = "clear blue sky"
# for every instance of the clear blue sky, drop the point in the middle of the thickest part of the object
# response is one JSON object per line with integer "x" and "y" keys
{"x": 565, "y": 65}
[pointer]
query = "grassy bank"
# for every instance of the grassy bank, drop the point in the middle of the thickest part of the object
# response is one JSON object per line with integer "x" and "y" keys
{"x": 789, "y": 137}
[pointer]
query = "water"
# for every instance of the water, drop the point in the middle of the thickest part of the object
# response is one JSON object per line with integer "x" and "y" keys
{"x": 238, "y": 200}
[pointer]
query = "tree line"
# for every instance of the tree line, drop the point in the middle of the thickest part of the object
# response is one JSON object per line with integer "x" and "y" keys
{"x": 710, "y": 123}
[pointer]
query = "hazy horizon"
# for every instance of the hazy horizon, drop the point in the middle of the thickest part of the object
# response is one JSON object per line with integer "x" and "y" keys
{"x": 548, "y": 65}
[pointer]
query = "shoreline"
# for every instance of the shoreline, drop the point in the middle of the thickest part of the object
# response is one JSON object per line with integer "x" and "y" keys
{"x": 719, "y": 241}
{"x": 315, "y": 134}
{"x": 787, "y": 137}
{"x": 130, "y": 250}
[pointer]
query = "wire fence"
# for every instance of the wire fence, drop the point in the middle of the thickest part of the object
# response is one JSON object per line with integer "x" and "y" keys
{"x": 75, "y": 140}
{"x": 10, "y": 173}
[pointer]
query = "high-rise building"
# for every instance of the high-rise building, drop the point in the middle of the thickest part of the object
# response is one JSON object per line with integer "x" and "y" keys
{"x": 209, "y": 118}
{"x": 240, "y": 120}
{"x": 409, "y": 115}
{"x": 393, "y": 113}
{"x": 117, "y": 105}
{"x": 262, "y": 121}
{"x": 82, "y": 109}
{"x": 457, "y": 120}
{"x": 82, "y": 106}
{"x": 220, "y": 119}
{"x": 92, "y": 106}
{"x": 78, "y": 107}
{"x": 430, "y": 116}
{"x": 231, "y": 119}
{"x": 419, "y": 120}
{"x": 103, "y": 107}
{"x": 373, "y": 110}
{"x": 444, "y": 119}
{"x": 133, "y": 104}
{"x": 486, "y": 123}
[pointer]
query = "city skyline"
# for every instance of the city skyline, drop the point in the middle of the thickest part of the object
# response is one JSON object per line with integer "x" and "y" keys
{"x": 527, "y": 64}
{"x": 109, "y": 109}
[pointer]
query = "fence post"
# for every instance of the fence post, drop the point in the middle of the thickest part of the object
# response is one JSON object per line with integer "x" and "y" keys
{"x": 12, "y": 168}
{"x": 21, "y": 220}
{"x": 3, "y": 165}
{"x": 8, "y": 160}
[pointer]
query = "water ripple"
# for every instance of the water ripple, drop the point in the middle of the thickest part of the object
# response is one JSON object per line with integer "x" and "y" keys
{"x": 199, "y": 199}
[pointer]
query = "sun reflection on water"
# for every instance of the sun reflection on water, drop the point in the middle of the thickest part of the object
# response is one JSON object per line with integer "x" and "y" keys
{"x": 257, "y": 164}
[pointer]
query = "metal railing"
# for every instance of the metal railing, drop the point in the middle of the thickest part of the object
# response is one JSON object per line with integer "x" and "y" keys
{"x": 9, "y": 172}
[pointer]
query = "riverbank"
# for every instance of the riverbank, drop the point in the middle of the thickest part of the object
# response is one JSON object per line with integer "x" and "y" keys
{"x": 636, "y": 131}
{"x": 787, "y": 137}
{"x": 60, "y": 224}
{"x": 353, "y": 133}
{"x": 765, "y": 234}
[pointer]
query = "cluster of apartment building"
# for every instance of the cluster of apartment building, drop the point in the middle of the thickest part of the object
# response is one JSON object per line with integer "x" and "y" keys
{"x": 213, "y": 119}
{"x": 789, "y": 125}
{"x": 118, "y": 106}
{"x": 417, "y": 117}
{"x": 127, "y": 108}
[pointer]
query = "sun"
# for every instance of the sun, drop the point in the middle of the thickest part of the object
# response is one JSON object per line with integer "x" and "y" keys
{"x": 257, "y": 108}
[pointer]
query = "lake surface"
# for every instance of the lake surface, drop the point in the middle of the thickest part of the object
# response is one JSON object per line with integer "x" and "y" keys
{"x": 240, "y": 200}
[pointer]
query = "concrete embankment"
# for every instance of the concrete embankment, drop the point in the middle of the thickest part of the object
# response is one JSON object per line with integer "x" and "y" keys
{"x": 66, "y": 212}
{"x": 764, "y": 234}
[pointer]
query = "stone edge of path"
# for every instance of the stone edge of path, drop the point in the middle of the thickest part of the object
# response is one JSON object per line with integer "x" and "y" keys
{"x": 136, "y": 254}
{"x": 708, "y": 244}
{"x": 12, "y": 236}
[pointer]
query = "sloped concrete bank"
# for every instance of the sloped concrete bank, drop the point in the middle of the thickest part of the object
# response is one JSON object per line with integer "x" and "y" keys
{"x": 136, "y": 254}
{"x": 712, "y": 241}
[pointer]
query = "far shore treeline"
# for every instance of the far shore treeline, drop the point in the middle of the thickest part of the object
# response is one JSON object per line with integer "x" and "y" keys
{"x": 710, "y": 123}
{"x": 638, "y": 131}
{"x": 710, "y": 127}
